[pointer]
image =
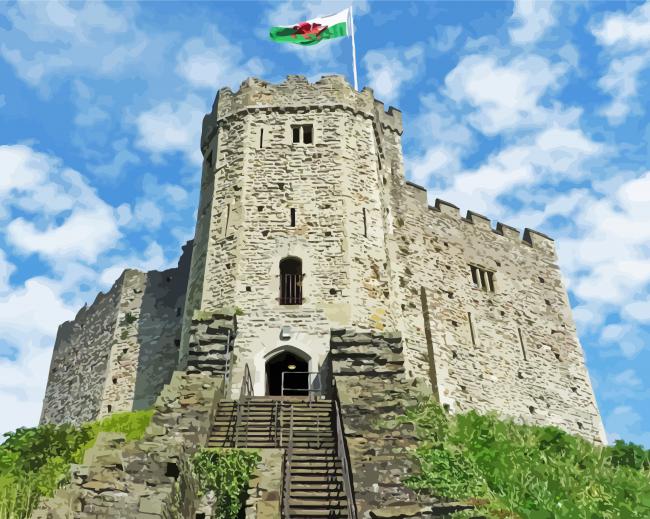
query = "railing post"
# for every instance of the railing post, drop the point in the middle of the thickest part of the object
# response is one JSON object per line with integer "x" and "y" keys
{"x": 345, "y": 461}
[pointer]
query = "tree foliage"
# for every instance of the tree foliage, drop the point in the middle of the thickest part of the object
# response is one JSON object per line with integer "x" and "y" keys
{"x": 526, "y": 471}
{"x": 35, "y": 461}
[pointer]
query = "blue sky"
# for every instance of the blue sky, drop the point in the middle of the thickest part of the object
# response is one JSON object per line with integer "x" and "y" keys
{"x": 532, "y": 113}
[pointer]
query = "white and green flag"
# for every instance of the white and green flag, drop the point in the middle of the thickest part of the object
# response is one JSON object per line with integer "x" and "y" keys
{"x": 314, "y": 31}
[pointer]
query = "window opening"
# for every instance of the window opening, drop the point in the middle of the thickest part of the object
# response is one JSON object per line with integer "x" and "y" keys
{"x": 482, "y": 278}
{"x": 307, "y": 134}
{"x": 471, "y": 328}
{"x": 225, "y": 232}
{"x": 490, "y": 277}
{"x": 474, "y": 275}
{"x": 261, "y": 137}
{"x": 521, "y": 343}
{"x": 293, "y": 217}
{"x": 291, "y": 281}
{"x": 365, "y": 223}
{"x": 303, "y": 133}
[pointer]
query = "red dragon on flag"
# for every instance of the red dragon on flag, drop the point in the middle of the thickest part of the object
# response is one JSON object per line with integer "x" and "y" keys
{"x": 309, "y": 31}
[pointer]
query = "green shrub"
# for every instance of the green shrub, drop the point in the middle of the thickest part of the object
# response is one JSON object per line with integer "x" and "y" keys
{"x": 226, "y": 472}
{"x": 526, "y": 471}
{"x": 129, "y": 318}
{"x": 35, "y": 461}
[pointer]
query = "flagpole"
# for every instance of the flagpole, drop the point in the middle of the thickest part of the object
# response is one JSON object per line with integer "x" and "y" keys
{"x": 354, "y": 51}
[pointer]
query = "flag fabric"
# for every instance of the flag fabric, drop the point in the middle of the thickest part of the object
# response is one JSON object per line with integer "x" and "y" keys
{"x": 314, "y": 31}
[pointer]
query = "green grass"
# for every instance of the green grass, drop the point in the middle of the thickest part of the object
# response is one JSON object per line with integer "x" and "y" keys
{"x": 524, "y": 471}
{"x": 35, "y": 461}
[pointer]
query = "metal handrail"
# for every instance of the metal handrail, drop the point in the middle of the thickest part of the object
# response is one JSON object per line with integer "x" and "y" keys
{"x": 226, "y": 369}
{"x": 345, "y": 460}
{"x": 287, "y": 470}
{"x": 308, "y": 389}
{"x": 245, "y": 391}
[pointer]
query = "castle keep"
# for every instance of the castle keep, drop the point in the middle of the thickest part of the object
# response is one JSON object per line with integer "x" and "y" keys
{"x": 316, "y": 267}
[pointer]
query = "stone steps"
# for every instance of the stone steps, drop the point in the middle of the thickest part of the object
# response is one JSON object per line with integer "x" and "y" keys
{"x": 315, "y": 472}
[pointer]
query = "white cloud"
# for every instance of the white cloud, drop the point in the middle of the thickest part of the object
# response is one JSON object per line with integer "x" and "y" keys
{"x": 390, "y": 70}
{"x": 532, "y": 19}
{"x": 85, "y": 234}
{"x": 215, "y": 65}
{"x": 622, "y": 82}
{"x": 173, "y": 127}
{"x": 6, "y": 269}
{"x": 59, "y": 37}
{"x": 626, "y": 30}
{"x": 626, "y": 39}
{"x": 22, "y": 386}
{"x": 446, "y": 37}
{"x": 554, "y": 154}
{"x": 67, "y": 219}
{"x": 609, "y": 258}
{"x": 638, "y": 310}
{"x": 153, "y": 258}
{"x": 436, "y": 160}
{"x": 34, "y": 310}
{"x": 504, "y": 96}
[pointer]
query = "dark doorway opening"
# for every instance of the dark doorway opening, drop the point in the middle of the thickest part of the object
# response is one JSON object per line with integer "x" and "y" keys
{"x": 296, "y": 381}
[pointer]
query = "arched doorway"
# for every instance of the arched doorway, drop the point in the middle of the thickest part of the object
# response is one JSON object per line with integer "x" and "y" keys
{"x": 296, "y": 381}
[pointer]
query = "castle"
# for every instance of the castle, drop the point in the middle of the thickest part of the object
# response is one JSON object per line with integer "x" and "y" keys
{"x": 316, "y": 264}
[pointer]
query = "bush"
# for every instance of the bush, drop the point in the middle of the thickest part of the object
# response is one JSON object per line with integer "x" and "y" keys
{"x": 527, "y": 471}
{"x": 35, "y": 461}
{"x": 226, "y": 472}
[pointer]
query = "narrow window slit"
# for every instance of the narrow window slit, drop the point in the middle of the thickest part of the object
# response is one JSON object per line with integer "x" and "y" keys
{"x": 471, "y": 328}
{"x": 293, "y": 217}
{"x": 261, "y": 137}
{"x": 521, "y": 344}
{"x": 227, "y": 220}
{"x": 365, "y": 223}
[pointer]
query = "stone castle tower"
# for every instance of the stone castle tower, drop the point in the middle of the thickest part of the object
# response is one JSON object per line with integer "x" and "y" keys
{"x": 306, "y": 230}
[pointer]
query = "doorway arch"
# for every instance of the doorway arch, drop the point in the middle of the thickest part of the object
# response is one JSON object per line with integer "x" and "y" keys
{"x": 296, "y": 381}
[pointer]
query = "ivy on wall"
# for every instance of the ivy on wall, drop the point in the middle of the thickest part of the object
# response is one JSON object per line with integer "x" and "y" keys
{"x": 225, "y": 473}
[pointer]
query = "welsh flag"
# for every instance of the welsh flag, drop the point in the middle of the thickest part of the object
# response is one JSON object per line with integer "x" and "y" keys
{"x": 314, "y": 31}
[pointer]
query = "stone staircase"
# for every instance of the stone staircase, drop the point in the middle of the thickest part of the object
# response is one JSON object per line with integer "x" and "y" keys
{"x": 313, "y": 475}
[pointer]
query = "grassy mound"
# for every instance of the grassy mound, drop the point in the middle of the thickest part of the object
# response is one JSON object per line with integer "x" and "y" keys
{"x": 514, "y": 470}
{"x": 35, "y": 461}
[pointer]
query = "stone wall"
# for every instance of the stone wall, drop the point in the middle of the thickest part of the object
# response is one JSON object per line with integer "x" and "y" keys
{"x": 118, "y": 353}
{"x": 149, "y": 477}
{"x": 514, "y": 349}
{"x": 79, "y": 361}
{"x": 373, "y": 392}
{"x": 258, "y": 175}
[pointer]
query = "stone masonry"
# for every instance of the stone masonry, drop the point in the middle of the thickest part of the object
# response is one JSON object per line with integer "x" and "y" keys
{"x": 118, "y": 353}
{"x": 401, "y": 299}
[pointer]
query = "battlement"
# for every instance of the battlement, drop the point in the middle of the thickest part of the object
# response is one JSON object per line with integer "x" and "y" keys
{"x": 297, "y": 93}
{"x": 530, "y": 237}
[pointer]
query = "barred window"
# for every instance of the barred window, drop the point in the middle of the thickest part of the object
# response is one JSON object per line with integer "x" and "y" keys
{"x": 482, "y": 278}
{"x": 291, "y": 281}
